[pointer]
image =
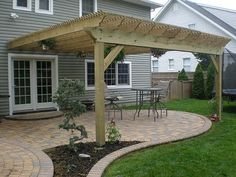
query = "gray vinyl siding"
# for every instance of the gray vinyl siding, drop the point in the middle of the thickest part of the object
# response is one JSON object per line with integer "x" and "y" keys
{"x": 69, "y": 65}
{"x": 124, "y": 8}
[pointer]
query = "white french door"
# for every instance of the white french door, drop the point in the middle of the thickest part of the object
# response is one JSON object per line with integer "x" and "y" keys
{"x": 33, "y": 83}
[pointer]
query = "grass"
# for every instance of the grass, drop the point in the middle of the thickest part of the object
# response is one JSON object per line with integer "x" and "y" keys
{"x": 210, "y": 155}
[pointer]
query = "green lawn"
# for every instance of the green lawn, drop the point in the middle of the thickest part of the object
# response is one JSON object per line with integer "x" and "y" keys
{"x": 210, "y": 155}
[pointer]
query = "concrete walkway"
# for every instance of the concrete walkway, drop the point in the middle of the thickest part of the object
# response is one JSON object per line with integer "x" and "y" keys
{"x": 22, "y": 142}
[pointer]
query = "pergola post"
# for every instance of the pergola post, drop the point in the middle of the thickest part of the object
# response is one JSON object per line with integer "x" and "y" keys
{"x": 217, "y": 60}
{"x": 99, "y": 92}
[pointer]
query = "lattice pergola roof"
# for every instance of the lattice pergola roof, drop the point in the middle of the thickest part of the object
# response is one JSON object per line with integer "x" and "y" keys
{"x": 137, "y": 35}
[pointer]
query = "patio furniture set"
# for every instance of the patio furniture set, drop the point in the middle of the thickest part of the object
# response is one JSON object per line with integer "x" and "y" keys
{"x": 151, "y": 96}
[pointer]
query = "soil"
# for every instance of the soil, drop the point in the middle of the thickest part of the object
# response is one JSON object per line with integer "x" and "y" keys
{"x": 67, "y": 162}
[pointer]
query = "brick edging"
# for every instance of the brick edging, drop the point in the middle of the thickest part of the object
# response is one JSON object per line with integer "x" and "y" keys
{"x": 44, "y": 163}
{"x": 99, "y": 168}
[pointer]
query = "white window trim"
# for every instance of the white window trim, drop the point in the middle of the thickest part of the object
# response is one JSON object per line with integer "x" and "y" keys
{"x": 80, "y": 7}
{"x": 12, "y": 56}
{"x": 28, "y": 8}
{"x": 110, "y": 86}
{"x": 152, "y": 66}
{"x": 49, "y": 12}
{"x": 188, "y": 64}
{"x": 169, "y": 64}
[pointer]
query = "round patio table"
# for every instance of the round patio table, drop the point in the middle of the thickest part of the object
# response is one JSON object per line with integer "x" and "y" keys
{"x": 149, "y": 96}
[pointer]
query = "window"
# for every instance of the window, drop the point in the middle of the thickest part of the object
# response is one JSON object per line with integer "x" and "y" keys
{"x": 110, "y": 75}
{"x": 171, "y": 64}
{"x": 44, "y": 6}
{"x": 87, "y": 7}
{"x": 155, "y": 65}
{"x": 116, "y": 75}
{"x": 22, "y": 4}
{"x": 192, "y": 26}
{"x": 123, "y": 74}
{"x": 187, "y": 64}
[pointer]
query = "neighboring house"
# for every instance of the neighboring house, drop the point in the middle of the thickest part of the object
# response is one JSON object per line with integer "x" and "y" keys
{"x": 31, "y": 78}
{"x": 174, "y": 61}
{"x": 215, "y": 20}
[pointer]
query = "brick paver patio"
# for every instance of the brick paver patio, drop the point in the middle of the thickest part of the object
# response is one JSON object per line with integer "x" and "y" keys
{"x": 22, "y": 142}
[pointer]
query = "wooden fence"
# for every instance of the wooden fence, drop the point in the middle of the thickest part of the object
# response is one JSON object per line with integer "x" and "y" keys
{"x": 178, "y": 89}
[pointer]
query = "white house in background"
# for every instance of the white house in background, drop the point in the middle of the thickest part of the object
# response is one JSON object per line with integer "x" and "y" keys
{"x": 174, "y": 61}
{"x": 215, "y": 20}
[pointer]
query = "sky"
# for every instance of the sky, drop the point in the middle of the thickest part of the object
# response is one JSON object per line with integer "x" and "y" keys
{"x": 230, "y": 4}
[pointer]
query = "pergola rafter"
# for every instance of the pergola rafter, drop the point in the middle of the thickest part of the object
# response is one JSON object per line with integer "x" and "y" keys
{"x": 95, "y": 31}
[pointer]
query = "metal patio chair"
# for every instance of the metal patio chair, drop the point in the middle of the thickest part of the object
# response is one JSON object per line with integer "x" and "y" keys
{"x": 162, "y": 96}
{"x": 112, "y": 97}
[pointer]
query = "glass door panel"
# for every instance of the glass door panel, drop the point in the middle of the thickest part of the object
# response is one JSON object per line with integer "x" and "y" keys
{"x": 44, "y": 81}
{"x": 22, "y": 89}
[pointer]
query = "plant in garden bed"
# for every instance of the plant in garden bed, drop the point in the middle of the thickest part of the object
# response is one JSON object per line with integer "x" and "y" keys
{"x": 67, "y": 99}
{"x": 112, "y": 133}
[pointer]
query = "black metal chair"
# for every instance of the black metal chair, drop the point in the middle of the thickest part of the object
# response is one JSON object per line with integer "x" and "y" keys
{"x": 162, "y": 96}
{"x": 112, "y": 106}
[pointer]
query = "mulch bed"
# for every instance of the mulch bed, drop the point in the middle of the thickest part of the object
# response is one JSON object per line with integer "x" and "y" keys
{"x": 67, "y": 162}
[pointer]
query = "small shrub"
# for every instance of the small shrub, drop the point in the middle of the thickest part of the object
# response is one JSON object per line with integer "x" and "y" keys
{"x": 182, "y": 76}
{"x": 67, "y": 99}
{"x": 210, "y": 80}
{"x": 198, "y": 88}
{"x": 213, "y": 105}
{"x": 112, "y": 133}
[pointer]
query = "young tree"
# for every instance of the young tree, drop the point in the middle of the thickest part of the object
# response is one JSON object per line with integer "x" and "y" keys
{"x": 198, "y": 89}
{"x": 182, "y": 76}
{"x": 210, "y": 80}
{"x": 67, "y": 99}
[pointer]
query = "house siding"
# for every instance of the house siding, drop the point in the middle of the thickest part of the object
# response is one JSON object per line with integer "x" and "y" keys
{"x": 69, "y": 66}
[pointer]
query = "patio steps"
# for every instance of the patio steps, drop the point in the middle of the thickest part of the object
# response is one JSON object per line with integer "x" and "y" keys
{"x": 35, "y": 116}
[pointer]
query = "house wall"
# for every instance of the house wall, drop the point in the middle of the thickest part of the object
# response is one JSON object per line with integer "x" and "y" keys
{"x": 69, "y": 65}
{"x": 178, "y": 57}
{"x": 179, "y": 15}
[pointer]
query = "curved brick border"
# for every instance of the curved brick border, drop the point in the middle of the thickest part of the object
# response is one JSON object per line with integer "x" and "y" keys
{"x": 34, "y": 163}
{"x": 102, "y": 164}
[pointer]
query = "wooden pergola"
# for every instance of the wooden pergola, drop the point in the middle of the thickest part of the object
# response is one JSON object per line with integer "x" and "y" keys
{"x": 92, "y": 32}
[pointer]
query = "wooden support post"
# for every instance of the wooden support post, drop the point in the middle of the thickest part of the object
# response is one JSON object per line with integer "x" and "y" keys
{"x": 218, "y": 84}
{"x": 99, "y": 93}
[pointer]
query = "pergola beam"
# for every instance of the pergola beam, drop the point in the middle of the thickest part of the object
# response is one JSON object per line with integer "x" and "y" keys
{"x": 99, "y": 93}
{"x": 57, "y": 30}
{"x": 149, "y": 41}
{"x": 112, "y": 55}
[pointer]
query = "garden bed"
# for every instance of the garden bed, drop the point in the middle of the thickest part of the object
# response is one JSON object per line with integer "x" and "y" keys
{"x": 67, "y": 162}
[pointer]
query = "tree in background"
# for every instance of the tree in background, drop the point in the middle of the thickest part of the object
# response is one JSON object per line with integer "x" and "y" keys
{"x": 182, "y": 76}
{"x": 198, "y": 89}
{"x": 210, "y": 80}
{"x": 204, "y": 59}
